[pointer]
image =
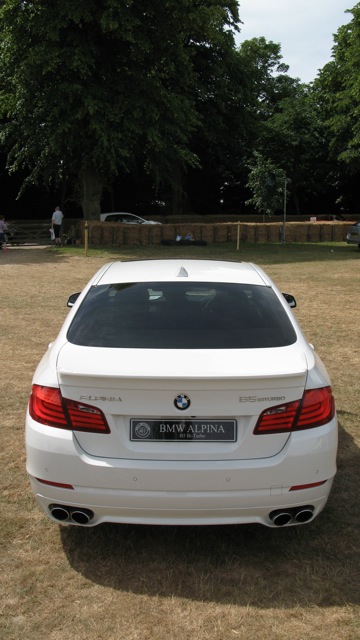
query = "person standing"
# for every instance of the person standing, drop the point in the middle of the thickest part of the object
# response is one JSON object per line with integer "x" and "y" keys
{"x": 2, "y": 232}
{"x": 56, "y": 222}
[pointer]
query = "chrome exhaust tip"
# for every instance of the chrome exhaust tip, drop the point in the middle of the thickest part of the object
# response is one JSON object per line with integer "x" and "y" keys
{"x": 61, "y": 514}
{"x": 304, "y": 514}
{"x": 296, "y": 515}
{"x": 280, "y": 518}
{"x": 81, "y": 516}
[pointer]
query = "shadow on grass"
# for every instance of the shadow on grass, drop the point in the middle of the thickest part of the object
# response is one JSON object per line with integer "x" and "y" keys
{"x": 312, "y": 565}
{"x": 24, "y": 255}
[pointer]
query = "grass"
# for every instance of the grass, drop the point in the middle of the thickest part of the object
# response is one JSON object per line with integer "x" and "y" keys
{"x": 150, "y": 583}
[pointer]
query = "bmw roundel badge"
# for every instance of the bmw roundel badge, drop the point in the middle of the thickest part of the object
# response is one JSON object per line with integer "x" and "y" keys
{"x": 182, "y": 402}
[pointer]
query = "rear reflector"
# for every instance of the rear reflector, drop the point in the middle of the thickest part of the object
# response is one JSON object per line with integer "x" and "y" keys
{"x": 316, "y": 408}
{"x": 61, "y": 485}
{"x": 300, "y": 487}
{"x": 48, "y": 407}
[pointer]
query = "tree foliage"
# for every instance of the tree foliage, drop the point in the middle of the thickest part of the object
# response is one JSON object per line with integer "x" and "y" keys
{"x": 290, "y": 137}
{"x": 94, "y": 86}
{"x": 158, "y": 97}
{"x": 267, "y": 182}
{"x": 267, "y": 81}
{"x": 338, "y": 88}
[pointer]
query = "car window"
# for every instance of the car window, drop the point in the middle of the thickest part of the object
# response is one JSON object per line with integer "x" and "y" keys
{"x": 113, "y": 218}
{"x": 179, "y": 315}
{"x": 132, "y": 219}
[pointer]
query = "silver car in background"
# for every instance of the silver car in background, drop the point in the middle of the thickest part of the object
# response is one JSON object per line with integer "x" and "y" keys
{"x": 125, "y": 218}
{"x": 353, "y": 236}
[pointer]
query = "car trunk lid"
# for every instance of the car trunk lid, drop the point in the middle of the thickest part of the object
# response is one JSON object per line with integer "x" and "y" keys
{"x": 151, "y": 397}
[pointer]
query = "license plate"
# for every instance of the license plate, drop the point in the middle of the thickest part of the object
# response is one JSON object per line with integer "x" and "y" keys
{"x": 162, "y": 430}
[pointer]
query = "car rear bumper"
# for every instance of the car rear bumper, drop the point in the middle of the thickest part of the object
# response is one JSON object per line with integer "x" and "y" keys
{"x": 180, "y": 492}
{"x": 180, "y": 508}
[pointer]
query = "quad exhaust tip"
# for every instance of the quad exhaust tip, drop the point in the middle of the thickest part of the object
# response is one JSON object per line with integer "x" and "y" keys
{"x": 296, "y": 515}
{"x": 73, "y": 515}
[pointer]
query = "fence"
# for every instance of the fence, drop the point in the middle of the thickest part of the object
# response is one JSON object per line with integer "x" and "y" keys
{"x": 23, "y": 232}
{"x": 37, "y": 232}
{"x": 117, "y": 234}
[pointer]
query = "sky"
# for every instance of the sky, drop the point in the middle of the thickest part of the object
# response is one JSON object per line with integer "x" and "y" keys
{"x": 303, "y": 28}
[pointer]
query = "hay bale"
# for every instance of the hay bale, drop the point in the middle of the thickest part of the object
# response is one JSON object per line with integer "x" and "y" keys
{"x": 118, "y": 238}
{"x": 248, "y": 232}
{"x": 275, "y": 232}
{"x": 313, "y": 232}
{"x": 106, "y": 234}
{"x": 155, "y": 233}
{"x": 94, "y": 231}
{"x": 169, "y": 232}
{"x": 220, "y": 233}
{"x": 197, "y": 230}
{"x": 132, "y": 235}
{"x": 261, "y": 233}
{"x": 298, "y": 231}
{"x": 340, "y": 230}
{"x": 149, "y": 234}
{"x": 326, "y": 232}
{"x": 208, "y": 233}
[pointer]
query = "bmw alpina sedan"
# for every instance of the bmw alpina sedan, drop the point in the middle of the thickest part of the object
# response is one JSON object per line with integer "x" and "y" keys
{"x": 181, "y": 392}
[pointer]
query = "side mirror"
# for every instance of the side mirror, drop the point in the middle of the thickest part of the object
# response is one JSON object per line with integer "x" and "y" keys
{"x": 72, "y": 299}
{"x": 290, "y": 300}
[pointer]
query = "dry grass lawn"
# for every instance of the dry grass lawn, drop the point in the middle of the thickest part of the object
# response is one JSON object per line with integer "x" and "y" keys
{"x": 173, "y": 583}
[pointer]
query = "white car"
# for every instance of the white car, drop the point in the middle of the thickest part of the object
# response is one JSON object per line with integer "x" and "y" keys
{"x": 181, "y": 392}
{"x": 125, "y": 218}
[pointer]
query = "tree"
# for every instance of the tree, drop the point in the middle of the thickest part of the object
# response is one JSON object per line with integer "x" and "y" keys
{"x": 92, "y": 87}
{"x": 338, "y": 86}
{"x": 295, "y": 139}
{"x": 266, "y": 88}
{"x": 267, "y": 183}
{"x": 221, "y": 140}
{"x": 289, "y": 133}
{"x": 266, "y": 80}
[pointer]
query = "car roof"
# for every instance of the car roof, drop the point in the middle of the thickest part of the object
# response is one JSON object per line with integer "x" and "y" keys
{"x": 118, "y": 213}
{"x": 181, "y": 270}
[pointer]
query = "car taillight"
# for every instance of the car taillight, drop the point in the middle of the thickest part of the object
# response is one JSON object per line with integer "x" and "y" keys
{"x": 48, "y": 407}
{"x": 316, "y": 408}
{"x": 84, "y": 417}
{"x": 45, "y": 406}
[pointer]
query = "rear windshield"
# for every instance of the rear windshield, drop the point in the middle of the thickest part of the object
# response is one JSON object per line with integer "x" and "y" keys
{"x": 180, "y": 315}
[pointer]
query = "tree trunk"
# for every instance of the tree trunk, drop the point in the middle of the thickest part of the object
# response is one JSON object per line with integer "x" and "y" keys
{"x": 177, "y": 191}
{"x": 296, "y": 202}
{"x": 91, "y": 184}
